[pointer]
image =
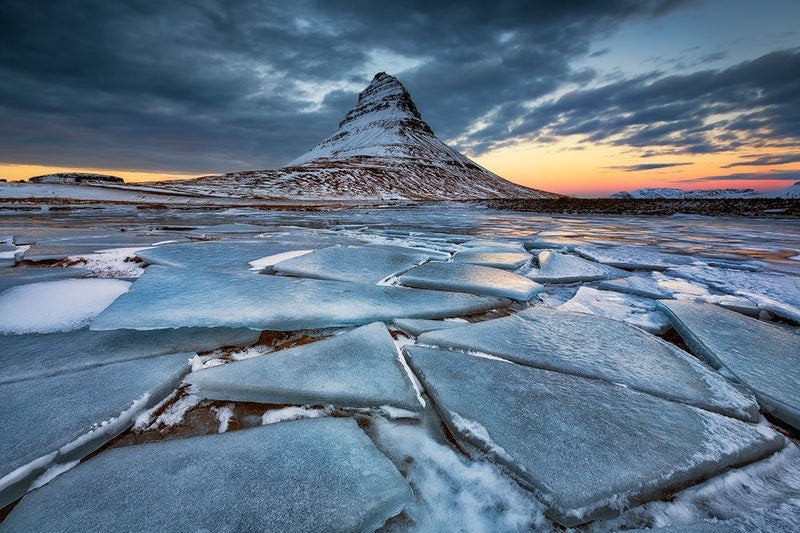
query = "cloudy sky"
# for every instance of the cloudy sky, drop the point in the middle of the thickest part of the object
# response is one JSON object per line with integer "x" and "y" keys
{"x": 577, "y": 97}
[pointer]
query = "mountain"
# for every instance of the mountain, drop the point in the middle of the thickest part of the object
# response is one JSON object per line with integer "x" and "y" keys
{"x": 382, "y": 150}
{"x": 789, "y": 192}
{"x": 69, "y": 178}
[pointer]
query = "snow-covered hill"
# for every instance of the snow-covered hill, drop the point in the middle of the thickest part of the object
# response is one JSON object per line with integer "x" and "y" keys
{"x": 74, "y": 178}
{"x": 382, "y": 150}
{"x": 789, "y": 192}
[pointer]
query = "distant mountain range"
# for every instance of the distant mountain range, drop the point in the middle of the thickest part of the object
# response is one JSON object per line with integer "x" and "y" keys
{"x": 790, "y": 192}
{"x": 382, "y": 150}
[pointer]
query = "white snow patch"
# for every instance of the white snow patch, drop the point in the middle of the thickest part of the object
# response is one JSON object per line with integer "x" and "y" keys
{"x": 264, "y": 262}
{"x": 54, "y": 306}
{"x": 110, "y": 263}
{"x": 176, "y": 412}
{"x": 224, "y": 415}
{"x": 273, "y": 416}
{"x": 453, "y": 493}
{"x": 477, "y": 432}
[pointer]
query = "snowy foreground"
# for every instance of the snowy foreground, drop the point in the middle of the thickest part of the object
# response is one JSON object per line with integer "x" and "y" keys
{"x": 428, "y": 369}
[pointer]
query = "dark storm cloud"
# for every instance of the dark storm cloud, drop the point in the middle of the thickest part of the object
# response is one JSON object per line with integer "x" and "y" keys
{"x": 766, "y": 160}
{"x": 648, "y": 166}
{"x": 783, "y": 175}
{"x": 215, "y": 85}
{"x": 755, "y": 103}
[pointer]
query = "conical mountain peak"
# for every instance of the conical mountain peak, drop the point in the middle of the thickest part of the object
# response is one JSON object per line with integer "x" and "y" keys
{"x": 383, "y": 150}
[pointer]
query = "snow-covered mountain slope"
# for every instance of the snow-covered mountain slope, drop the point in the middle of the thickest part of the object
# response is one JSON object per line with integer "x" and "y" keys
{"x": 69, "y": 178}
{"x": 789, "y": 192}
{"x": 382, "y": 150}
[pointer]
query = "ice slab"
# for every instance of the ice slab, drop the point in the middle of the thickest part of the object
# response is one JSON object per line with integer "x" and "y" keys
{"x": 358, "y": 264}
{"x": 359, "y": 368}
{"x": 587, "y": 448}
{"x": 763, "y": 357}
{"x": 504, "y": 260}
{"x": 35, "y": 355}
{"x": 640, "y": 312}
{"x": 220, "y": 230}
{"x": 65, "y": 417}
{"x": 306, "y": 475}
{"x": 682, "y": 289}
{"x": 598, "y": 348}
{"x": 487, "y": 245}
{"x": 637, "y": 286}
{"x": 52, "y": 306}
{"x": 223, "y": 256}
{"x": 166, "y": 298}
{"x": 418, "y": 326}
{"x": 474, "y": 279}
{"x": 57, "y": 249}
{"x": 634, "y": 257}
{"x": 776, "y": 293}
{"x": 22, "y": 275}
{"x": 555, "y": 267}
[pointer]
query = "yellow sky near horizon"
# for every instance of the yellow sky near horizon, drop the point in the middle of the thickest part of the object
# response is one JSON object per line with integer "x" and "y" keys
{"x": 565, "y": 167}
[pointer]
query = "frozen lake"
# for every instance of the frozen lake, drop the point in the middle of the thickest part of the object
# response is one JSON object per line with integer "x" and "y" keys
{"x": 422, "y": 368}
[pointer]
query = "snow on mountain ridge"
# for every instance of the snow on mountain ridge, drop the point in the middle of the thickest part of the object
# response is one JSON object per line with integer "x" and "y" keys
{"x": 790, "y": 192}
{"x": 382, "y": 150}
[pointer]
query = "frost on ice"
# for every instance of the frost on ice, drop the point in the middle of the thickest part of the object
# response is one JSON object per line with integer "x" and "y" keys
{"x": 474, "y": 279}
{"x": 598, "y": 348}
{"x": 69, "y": 415}
{"x": 305, "y": 475}
{"x": 355, "y": 369}
{"x": 167, "y": 298}
{"x": 763, "y": 357}
{"x": 587, "y": 448}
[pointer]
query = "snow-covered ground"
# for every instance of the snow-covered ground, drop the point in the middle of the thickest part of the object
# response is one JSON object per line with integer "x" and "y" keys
{"x": 559, "y": 408}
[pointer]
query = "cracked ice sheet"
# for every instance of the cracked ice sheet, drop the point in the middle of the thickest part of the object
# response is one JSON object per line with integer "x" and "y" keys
{"x": 763, "y": 357}
{"x": 67, "y": 416}
{"x": 36, "y": 355}
{"x": 634, "y": 310}
{"x": 634, "y": 257}
{"x": 54, "y": 306}
{"x": 474, "y": 279}
{"x": 305, "y": 475}
{"x": 222, "y": 256}
{"x": 587, "y": 448}
{"x": 777, "y": 293}
{"x": 359, "y": 368}
{"x": 598, "y": 348}
{"x": 357, "y": 264}
{"x": 171, "y": 298}
{"x": 555, "y": 267}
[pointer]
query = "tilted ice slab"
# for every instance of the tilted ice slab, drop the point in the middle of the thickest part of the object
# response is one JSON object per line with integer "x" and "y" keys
{"x": 595, "y": 347}
{"x": 504, "y": 260}
{"x": 63, "y": 418}
{"x": 358, "y": 264}
{"x": 637, "y": 286}
{"x": 52, "y": 306}
{"x": 56, "y": 249}
{"x": 35, "y": 356}
{"x": 486, "y": 245}
{"x": 223, "y": 256}
{"x": 359, "y": 368}
{"x": 634, "y": 257}
{"x": 776, "y": 293}
{"x": 763, "y": 357}
{"x": 694, "y": 290}
{"x": 640, "y": 312}
{"x": 166, "y": 298}
{"x": 417, "y": 326}
{"x": 306, "y": 475}
{"x": 555, "y": 267}
{"x": 587, "y": 448}
{"x": 22, "y": 275}
{"x": 474, "y": 279}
